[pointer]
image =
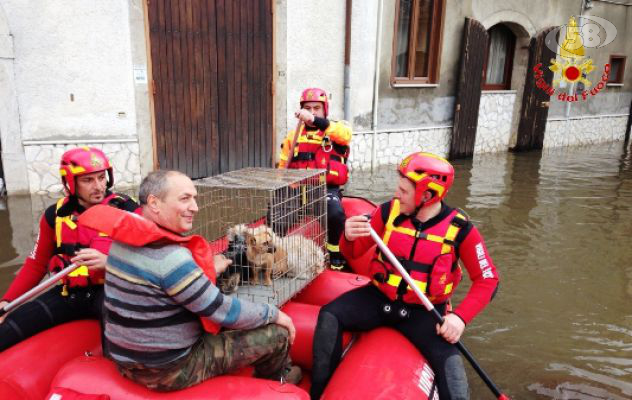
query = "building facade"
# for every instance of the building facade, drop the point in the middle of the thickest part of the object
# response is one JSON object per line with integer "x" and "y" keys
{"x": 211, "y": 86}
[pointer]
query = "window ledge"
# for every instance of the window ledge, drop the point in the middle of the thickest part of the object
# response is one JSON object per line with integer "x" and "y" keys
{"x": 509, "y": 91}
{"x": 614, "y": 84}
{"x": 415, "y": 85}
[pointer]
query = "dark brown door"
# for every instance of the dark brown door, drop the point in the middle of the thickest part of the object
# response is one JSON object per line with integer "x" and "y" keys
{"x": 627, "y": 130}
{"x": 535, "y": 101}
{"x": 468, "y": 92}
{"x": 212, "y": 83}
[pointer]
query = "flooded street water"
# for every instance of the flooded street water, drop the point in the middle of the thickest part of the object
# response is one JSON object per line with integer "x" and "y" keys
{"x": 557, "y": 224}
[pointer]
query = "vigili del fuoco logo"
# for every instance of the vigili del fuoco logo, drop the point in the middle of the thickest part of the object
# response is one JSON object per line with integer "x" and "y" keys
{"x": 572, "y": 67}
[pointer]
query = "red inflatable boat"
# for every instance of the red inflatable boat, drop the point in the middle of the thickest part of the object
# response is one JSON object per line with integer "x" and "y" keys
{"x": 66, "y": 362}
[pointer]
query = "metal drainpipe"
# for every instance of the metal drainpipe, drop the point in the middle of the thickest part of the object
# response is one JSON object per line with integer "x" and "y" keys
{"x": 376, "y": 81}
{"x": 347, "y": 78}
{"x": 567, "y": 111}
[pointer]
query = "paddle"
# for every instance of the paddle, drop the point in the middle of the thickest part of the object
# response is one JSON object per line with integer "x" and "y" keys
{"x": 297, "y": 132}
{"x": 38, "y": 289}
{"x": 438, "y": 317}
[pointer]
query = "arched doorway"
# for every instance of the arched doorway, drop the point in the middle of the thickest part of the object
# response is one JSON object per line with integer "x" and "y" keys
{"x": 503, "y": 83}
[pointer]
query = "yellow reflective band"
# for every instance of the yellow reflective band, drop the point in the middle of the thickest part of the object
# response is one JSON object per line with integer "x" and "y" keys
{"x": 333, "y": 247}
{"x": 81, "y": 271}
{"x": 415, "y": 176}
{"x": 434, "y": 238}
{"x": 312, "y": 140}
{"x": 405, "y": 231}
{"x": 440, "y": 189}
{"x": 62, "y": 172}
{"x": 448, "y": 288}
{"x": 304, "y": 193}
{"x": 450, "y": 235}
{"x": 391, "y": 218}
{"x": 394, "y": 280}
{"x": 452, "y": 232}
{"x": 86, "y": 148}
{"x": 58, "y": 222}
{"x": 68, "y": 220}
{"x": 76, "y": 170}
{"x": 102, "y": 234}
{"x": 333, "y": 172}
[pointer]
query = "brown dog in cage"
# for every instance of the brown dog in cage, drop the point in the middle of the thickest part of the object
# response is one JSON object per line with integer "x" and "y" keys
{"x": 263, "y": 256}
{"x": 303, "y": 254}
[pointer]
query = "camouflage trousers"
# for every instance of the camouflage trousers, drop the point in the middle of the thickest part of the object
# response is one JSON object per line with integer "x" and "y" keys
{"x": 266, "y": 348}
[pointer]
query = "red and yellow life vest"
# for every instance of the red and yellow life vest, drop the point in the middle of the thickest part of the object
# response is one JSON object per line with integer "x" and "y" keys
{"x": 134, "y": 230}
{"x": 70, "y": 238}
{"x": 429, "y": 256}
{"x": 314, "y": 150}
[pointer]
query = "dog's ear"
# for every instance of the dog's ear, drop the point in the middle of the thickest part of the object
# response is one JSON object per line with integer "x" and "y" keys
{"x": 251, "y": 240}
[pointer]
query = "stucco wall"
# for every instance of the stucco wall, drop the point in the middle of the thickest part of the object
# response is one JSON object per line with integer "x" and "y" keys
{"x": 315, "y": 53}
{"x": 79, "y": 48}
{"x": 12, "y": 151}
{"x": 74, "y": 78}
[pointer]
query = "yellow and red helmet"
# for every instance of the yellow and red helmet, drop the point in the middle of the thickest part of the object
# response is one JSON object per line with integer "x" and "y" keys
{"x": 427, "y": 172}
{"x": 315, "y": 94}
{"x": 80, "y": 161}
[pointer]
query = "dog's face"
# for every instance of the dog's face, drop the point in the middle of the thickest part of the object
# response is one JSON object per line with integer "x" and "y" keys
{"x": 260, "y": 242}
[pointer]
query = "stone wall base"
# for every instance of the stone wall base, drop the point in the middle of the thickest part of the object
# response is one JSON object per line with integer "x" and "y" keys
{"x": 392, "y": 146}
{"x": 42, "y": 163}
{"x": 584, "y": 130}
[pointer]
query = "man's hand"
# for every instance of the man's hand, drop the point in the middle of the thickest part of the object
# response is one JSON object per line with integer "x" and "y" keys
{"x": 305, "y": 116}
{"x": 451, "y": 329}
{"x": 221, "y": 263}
{"x": 91, "y": 258}
{"x": 357, "y": 226}
{"x": 285, "y": 321}
{"x": 2, "y": 304}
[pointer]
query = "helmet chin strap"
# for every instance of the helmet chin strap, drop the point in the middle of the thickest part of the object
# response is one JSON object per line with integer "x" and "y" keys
{"x": 421, "y": 205}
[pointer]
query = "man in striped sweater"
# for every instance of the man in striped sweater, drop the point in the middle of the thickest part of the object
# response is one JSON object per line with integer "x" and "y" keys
{"x": 156, "y": 295}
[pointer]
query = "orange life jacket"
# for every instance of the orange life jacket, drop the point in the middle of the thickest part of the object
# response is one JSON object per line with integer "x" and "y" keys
{"x": 429, "y": 256}
{"x": 70, "y": 237}
{"x": 314, "y": 150}
{"x": 134, "y": 230}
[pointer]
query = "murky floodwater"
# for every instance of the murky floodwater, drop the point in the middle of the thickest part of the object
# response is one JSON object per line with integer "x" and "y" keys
{"x": 558, "y": 225}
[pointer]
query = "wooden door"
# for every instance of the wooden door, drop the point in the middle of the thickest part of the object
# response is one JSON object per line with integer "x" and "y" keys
{"x": 627, "y": 130}
{"x": 212, "y": 84}
{"x": 535, "y": 101}
{"x": 468, "y": 92}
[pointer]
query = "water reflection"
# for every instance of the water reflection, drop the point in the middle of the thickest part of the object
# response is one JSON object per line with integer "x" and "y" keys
{"x": 558, "y": 225}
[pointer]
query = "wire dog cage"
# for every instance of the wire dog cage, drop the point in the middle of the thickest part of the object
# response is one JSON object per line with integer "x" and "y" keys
{"x": 271, "y": 223}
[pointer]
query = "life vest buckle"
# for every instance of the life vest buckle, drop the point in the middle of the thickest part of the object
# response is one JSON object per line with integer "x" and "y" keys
{"x": 327, "y": 145}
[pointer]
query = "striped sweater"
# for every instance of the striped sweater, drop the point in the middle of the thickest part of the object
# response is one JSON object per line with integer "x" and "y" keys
{"x": 154, "y": 297}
